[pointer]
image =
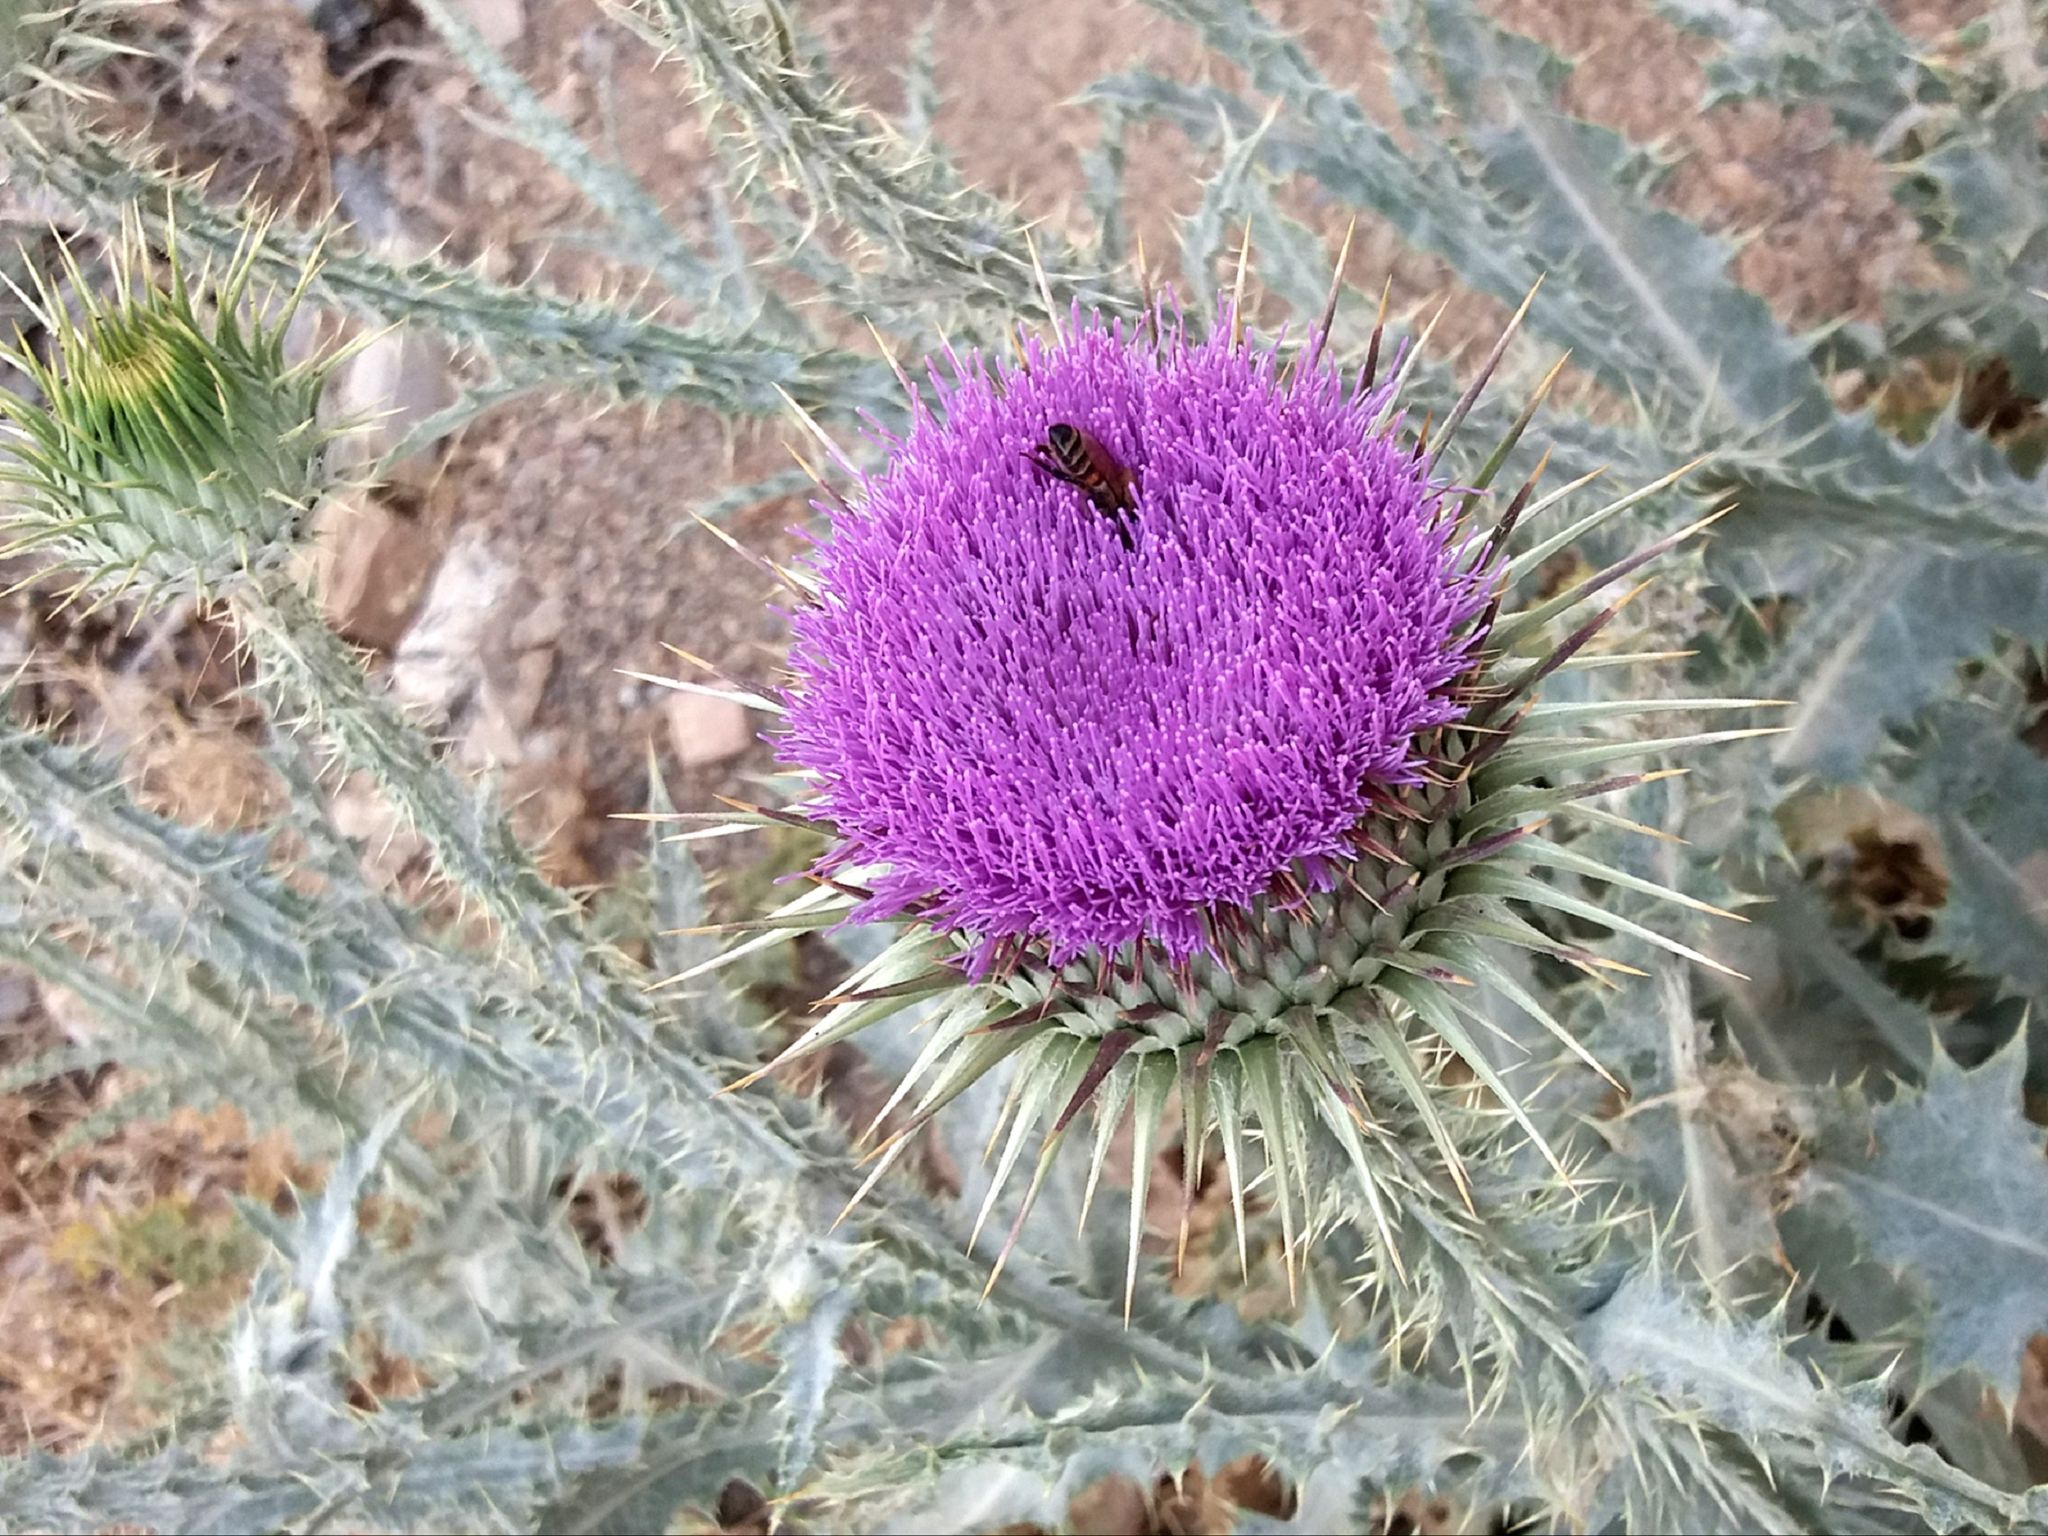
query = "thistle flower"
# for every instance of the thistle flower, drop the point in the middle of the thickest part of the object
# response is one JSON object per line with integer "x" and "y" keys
{"x": 168, "y": 446}
{"x": 1163, "y": 695}
{"x": 1057, "y": 743}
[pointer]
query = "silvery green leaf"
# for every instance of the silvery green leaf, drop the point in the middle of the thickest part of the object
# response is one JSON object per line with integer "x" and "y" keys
{"x": 1884, "y": 638}
{"x": 1985, "y": 791}
{"x": 1947, "y": 1186}
{"x": 1846, "y": 55}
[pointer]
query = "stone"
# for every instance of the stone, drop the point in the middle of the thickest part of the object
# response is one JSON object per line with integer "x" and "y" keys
{"x": 438, "y": 664}
{"x": 370, "y": 566}
{"x": 398, "y": 380}
{"x": 704, "y": 730}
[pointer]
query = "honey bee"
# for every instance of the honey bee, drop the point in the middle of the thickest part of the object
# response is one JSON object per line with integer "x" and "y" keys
{"x": 1073, "y": 457}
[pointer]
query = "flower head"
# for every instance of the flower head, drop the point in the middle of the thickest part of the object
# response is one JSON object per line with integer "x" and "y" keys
{"x": 1172, "y": 687}
{"x": 1047, "y": 723}
{"x": 171, "y": 445}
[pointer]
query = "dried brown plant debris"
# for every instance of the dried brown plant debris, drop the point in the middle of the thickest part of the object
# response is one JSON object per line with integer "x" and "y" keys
{"x": 1191, "y": 1504}
{"x": 110, "y": 1249}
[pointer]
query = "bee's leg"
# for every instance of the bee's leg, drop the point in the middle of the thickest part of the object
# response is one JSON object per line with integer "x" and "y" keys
{"x": 1038, "y": 460}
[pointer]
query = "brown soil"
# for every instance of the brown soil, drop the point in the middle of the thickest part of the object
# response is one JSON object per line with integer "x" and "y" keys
{"x": 112, "y": 1249}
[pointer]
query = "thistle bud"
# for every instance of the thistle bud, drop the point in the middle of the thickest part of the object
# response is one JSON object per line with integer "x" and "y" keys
{"x": 166, "y": 445}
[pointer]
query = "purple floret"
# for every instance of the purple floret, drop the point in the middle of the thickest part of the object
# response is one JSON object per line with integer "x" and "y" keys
{"x": 1024, "y": 730}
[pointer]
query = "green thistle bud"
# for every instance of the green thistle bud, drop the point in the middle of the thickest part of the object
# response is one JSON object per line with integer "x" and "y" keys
{"x": 1143, "y": 851}
{"x": 167, "y": 446}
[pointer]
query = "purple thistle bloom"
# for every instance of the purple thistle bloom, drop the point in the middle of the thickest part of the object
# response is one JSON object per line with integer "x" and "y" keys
{"x": 1031, "y": 732}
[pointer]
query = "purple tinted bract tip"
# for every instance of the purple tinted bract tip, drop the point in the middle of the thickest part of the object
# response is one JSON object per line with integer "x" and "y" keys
{"x": 1023, "y": 729}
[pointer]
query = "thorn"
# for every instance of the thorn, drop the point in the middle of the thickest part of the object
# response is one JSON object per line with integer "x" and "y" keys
{"x": 910, "y": 987}
{"x": 1146, "y": 293}
{"x": 894, "y": 1138}
{"x": 1612, "y": 819}
{"x": 1539, "y": 670}
{"x": 810, "y": 424}
{"x": 1022, "y": 1018}
{"x": 1542, "y": 390}
{"x": 1107, "y": 1055}
{"x": 787, "y": 818}
{"x": 740, "y": 1084}
{"x": 858, "y": 892}
{"x": 1503, "y": 530}
{"x": 1052, "y": 314}
{"x": 1244, "y": 257}
{"x": 909, "y": 389}
{"x": 1329, "y": 314}
{"x": 1379, "y": 327}
{"x": 1009, "y": 1243}
{"x": 1486, "y": 369}
{"x": 1365, "y": 842}
{"x": 758, "y": 561}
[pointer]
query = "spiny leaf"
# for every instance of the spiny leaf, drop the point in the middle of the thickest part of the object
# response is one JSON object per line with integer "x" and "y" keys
{"x": 1881, "y": 637}
{"x": 1224, "y": 202}
{"x": 910, "y": 207}
{"x": 1965, "y": 766}
{"x": 1947, "y": 1185}
{"x": 1847, "y": 56}
{"x": 652, "y": 239}
{"x": 1745, "y": 1379}
{"x": 587, "y": 344}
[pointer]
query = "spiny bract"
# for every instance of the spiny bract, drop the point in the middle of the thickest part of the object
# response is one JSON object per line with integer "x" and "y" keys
{"x": 1220, "y": 813}
{"x": 172, "y": 446}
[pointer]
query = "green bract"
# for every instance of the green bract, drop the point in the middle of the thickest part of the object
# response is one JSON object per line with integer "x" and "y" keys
{"x": 167, "y": 445}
